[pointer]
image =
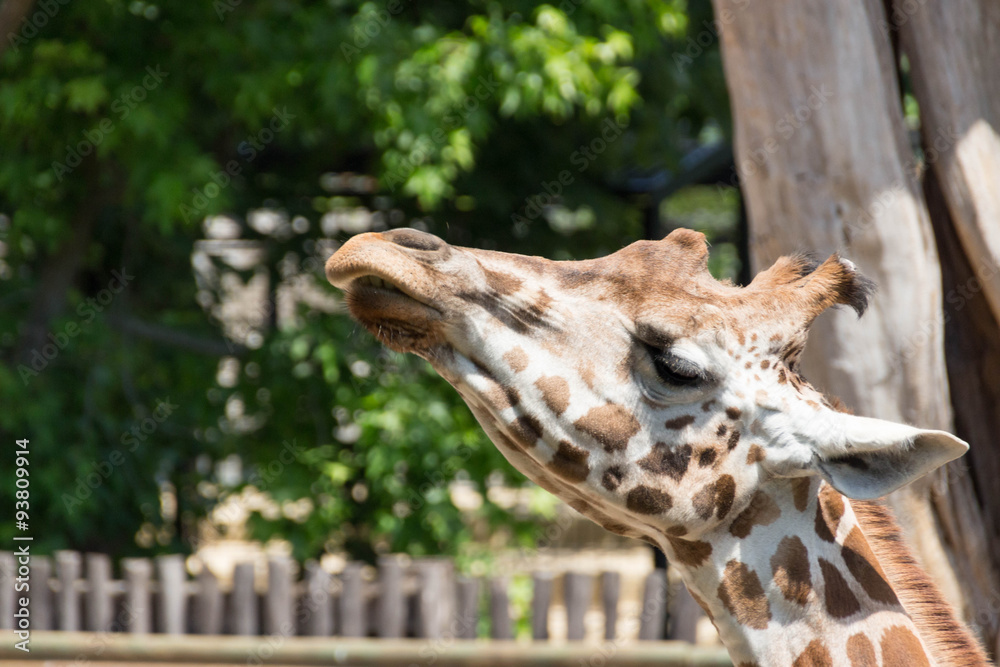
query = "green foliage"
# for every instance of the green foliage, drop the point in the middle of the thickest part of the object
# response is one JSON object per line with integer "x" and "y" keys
{"x": 124, "y": 124}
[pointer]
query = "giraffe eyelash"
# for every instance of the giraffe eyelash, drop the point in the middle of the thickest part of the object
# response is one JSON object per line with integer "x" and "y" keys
{"x": 674, "y": 370}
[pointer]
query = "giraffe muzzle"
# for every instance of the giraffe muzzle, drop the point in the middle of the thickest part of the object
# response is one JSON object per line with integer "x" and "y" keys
{"x": 391, "y": 285}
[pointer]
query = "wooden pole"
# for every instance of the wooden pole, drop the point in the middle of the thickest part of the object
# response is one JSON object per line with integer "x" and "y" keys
{"x": 99, "y": 602}
{"x": 68, "y": 565}
{"x": 611, "y": 583}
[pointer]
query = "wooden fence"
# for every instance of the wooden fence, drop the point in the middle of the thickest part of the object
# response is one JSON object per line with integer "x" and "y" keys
{"x": 402, "y": 598}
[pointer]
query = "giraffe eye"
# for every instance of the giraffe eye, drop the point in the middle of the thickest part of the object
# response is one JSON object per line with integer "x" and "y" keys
{"x": 674, "y": 370}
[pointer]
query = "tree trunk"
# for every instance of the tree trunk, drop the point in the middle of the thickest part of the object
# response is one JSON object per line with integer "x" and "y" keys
{"x": 954, "y": 51}
{"x": 972, "y": 347}
{"x": 825, "y": 166}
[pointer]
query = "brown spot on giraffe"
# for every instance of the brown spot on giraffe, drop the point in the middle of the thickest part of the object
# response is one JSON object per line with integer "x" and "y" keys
{"x": 755, "y": 455}
{"x": 829, "y": 511}
{"x": 526, "y": 430}
{"x": 677, "y": 531}
{"x": 822, "y": 528}
{"x": 611, "y": 425}
{"x": 612, "y": 478}
{"x": 707, "y": 405}
{"x": 901, "y": 647}
{"x": 502, "y": 283}
{"x": 570, "y": 462}
{"x": 618, "y": 529}
{"x": 647, "y": 500}
{"x": 690, "y": 552}
{"x": 516, "y": 358}
{"x": 715, "y": 498}
{"x": 679, "y": 422}
{"x": 815, "y": 655}
{"x": 864, "y": 566}
{"x": 734, "y": 439}
{"x": 707, "y": 457}
{"x": 860, "y": 651}
{"x": 764, "y": 365}
{"x": 837, "y": 595}
{"x": 790, "y": 568}
{"x": 800, "y": 492}
{"x": 666, "y": 460}
{"x": 743, "y": 596}
{"x": 722, "y": 430}
{"x": 501, "y": 398}
{"x": 555, "y": 393}
{"x": 733, "y": 413}
{"x": 762, "y": 511}
{"x": 782, "y": 376}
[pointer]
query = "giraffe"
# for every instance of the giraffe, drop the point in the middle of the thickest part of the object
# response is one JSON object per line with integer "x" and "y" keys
{"x": 667, "y": 406}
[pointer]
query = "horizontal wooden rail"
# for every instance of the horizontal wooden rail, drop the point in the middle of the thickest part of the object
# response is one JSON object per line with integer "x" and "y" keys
{"x": 94, "y": 648}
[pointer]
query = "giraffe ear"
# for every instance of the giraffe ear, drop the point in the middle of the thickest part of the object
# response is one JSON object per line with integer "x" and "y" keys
{"x": 867, "y": 458}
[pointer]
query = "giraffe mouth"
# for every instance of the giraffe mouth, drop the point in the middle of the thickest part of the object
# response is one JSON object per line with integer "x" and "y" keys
{"x": 398, "y": 318}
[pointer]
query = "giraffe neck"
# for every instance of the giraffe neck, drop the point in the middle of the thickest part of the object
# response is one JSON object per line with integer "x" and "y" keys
{"x": 793, "y": 580}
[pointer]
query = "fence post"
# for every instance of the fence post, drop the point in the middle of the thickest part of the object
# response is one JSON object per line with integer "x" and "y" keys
{"x": 171, "y": 601}
{"x": 540, "y": 602}
{"x": 8, "y": 572}
{"x": 316, "y": 605}
{"x": 435, "y": 598}
{"x": 100, "y": 609}
{"x": 466, "y": 607}
{"x": 684, "y": 615}
{"x": 139, "y": 616}
{"x": 351, "y": 606}
{"x": 500, "y": 623}
{"x": 391, "y": 612}
{"x": 243, "y": 601}
{"x": 279, "y": 601}
{"x": 67, "y": 597}
{"x": 578, "y": 591}
{"x": 611, "y": 583}
{"x": 654, "y": 606}
{"x": 206, "y": 613}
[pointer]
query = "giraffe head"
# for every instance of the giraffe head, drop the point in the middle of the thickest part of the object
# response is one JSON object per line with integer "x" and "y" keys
{"x": 649, "y": 396}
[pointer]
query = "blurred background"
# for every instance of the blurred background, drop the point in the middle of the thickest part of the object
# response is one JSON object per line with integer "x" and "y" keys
{"x": 173, "y": 176}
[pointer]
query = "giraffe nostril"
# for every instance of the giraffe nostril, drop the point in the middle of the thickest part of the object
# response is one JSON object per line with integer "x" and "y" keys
{"x": 414, "y": 239}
